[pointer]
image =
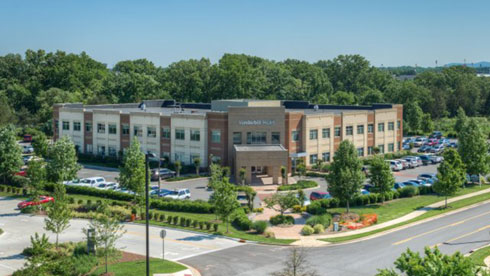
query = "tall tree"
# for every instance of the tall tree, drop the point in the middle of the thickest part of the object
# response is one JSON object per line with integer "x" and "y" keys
{"x": 225, "y": 200}
{"x": 380, "y": 175}
{"x": 451, "y": 174}
{"x": 345, "y": 178}
{"x": 40, "y": 144}
{"x": 58, "y": 213}
{"x": 282, "y": 202}
{"x": 461, "y": 120}
{"x": 426, "y": 125}
{"x": 132, "y": 171}
{"x": 36, "y": 172}
{"x": 413, "y": 116}
{"x": 62, "y": 163}
{"x": 473, "y": 148}
{"x": 10, "y": 153}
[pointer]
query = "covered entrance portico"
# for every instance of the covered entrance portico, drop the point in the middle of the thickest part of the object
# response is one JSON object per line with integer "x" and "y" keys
{"x": 260, "y": 160}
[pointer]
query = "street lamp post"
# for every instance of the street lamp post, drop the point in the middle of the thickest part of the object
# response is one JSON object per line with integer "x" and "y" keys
{"x": 147, "y": 184}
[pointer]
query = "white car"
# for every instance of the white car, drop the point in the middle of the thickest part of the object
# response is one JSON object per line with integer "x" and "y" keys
{"x": 75, "y": 181}
{"x": 91, "y": 181}
{"x": 124, "y": 190}
{"x": 179, "y": 194}
{"x": 395, "y": 165}
{"x": 27, "y": 149}
{"x": 108, "y": 186}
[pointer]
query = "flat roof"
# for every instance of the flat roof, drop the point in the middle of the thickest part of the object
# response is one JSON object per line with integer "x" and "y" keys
{"x": 260, "y": 148}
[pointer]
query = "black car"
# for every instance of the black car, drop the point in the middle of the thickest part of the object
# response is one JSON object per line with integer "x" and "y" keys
{"x": 164, "y": 173}
{"x": 424, "y": 148}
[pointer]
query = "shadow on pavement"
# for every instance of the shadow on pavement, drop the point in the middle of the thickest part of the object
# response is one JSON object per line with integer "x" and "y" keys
{"x": 197, "y": 238}
{"x": 469, "y": 242}
{"x": 10, "y": 215}
{"x": 13, "y": 257}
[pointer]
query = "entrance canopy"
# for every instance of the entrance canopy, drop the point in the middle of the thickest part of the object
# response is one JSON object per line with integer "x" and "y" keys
{"x": 270, "y": 156}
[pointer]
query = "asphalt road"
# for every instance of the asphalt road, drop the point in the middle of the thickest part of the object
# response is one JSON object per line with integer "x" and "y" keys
{"x": 19, "y": 227}
{"x": 462, "y": 231}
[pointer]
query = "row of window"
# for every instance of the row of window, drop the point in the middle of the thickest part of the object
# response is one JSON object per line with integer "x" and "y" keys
{"x": 349, "y": 130}
{"x": 360, "y": 152}
{"x": 257, "y": 137}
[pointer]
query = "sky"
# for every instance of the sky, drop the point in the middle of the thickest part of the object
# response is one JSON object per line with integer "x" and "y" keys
{"x": 387, "y": 33}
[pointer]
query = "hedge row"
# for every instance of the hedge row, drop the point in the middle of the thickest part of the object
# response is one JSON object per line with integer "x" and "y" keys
{"x": 302, "y": 184}
{"x": 11, "y": 190}
{"x": 89, "y": 191}
{"x": 182, "y": 221}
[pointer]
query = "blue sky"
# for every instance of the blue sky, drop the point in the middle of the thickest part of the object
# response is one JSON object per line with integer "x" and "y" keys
{"x": 385, "y": 32}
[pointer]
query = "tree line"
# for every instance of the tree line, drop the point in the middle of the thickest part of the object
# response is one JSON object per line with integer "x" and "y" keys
{"x": 31, "y": 84}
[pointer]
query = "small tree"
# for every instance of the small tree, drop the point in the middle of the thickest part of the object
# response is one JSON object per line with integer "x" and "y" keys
{"x": 345, "y": 178}
{"x": 380, "y": 175}
{"x": 178, "y": 167}
{"x": 242, "y": 172}
{"x": 63, "y": 161}
{"x": 36, "y": 172}
{"x": 132, "y": 171}
{"x": 216, "y": 174}
{"x": 301, "y": 197}
{"x": 301, "y": 169}
{"x": 58, "y": 213}
{"x": 296, "y": 264}
{"x": 226, "y": 171}
{"x": 433, "y": 263}
{"x": 281, "y": 202}
{"x": 197, "y": 164}
{"x": 225, "y": 200}
{"x": 10, "y": 153}
{"x": 451, "y": 174}
{"x": 107, "y": 231}
{"x": 473, "y": 148}
{"x": 40, "y": 144}
{"x": 284, "y": 175}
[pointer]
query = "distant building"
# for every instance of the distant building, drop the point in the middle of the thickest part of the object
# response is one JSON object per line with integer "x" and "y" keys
{"x": 258, "y": 135}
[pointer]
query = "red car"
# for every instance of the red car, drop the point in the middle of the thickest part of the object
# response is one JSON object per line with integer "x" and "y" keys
{"x": 22, "y": 172}
{"x": 27, "y": 138}
{"x": 30, "y": 202}
{"x": 319, "y": 195}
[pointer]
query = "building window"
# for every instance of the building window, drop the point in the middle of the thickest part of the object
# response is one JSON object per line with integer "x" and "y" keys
{"x": 112, "y": 151}
{"x": 295, "y": 135}
{"x": 216, "y": 136}
{"x": 77, "y": 126}
{"x": 151, "y": 132}
{"x": 326, "y": 133}
{"x": 125, "y": 129}
{"x": 398, "y": 124}
{"x": 166, "y": 133}
{"x": 326, "y": 156}
{"x": 391, "y": 126}
{"x": 138, "y": 131}
{"x": 370, "y": 128}
{"x": 360, "y": 151}
{"x": 337, "y": 132}
{"x": 179, "y": 156}
{"x": 179, "y": 134}
{"x": 237, "y": 138}
{"x": 381, "y": 127}
{"x": 313, "y": 158}
{"x": 88, "y": 148}
{"x": 66, "y": 125}
{"x": 391, "y": 147}
{"x": 360, "y": 129}
{"x": 275, "y": 138}
{"x": 349, "y": 130}
{"x": 258, "y": 137}
{"x": 112, "y": 129}
{"x": 100, "y": 128}
{"x": 381, "y": 148}
{"x": 195, "y": 135}
{"x": 313, "y": 134}
{"x": 88, "y": 127}
{"x": 370, "y": 151}
{"x": 101, "y": 150}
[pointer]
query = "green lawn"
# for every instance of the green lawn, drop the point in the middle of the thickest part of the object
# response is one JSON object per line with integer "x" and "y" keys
{"x": 478, "y": 256}
{"x": 400, "y": 207}
{"x": 453, "y": 206}
{"x": 139, "y": 268}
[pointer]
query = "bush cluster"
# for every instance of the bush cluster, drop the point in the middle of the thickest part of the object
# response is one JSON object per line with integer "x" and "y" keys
{"x": 323, "y": 220}
{"x": 307, "y": 230}
{"x": 318, "y": 229}
{"x": 409, "y": 191}
{"x": 183, "y": 221}
{"x": 281, "y": 219}
{"x": 302, "y": 184}
{"x": 259, "y": 226}
{"x": 189, "y": 206}
{"x": 241, "y": 221}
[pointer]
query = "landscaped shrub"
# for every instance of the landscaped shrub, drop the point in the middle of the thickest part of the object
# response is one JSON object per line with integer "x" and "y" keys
{"x": 323, "y": 220}
{"x": 241, "y": 221}
{"x": 297, "y": 209}
{"x": 71, "y": 200}
{"x": 423, "y": 190}
{"x": 182, "y": 222}
{"x": 201, "y": 225}
{"x": 215, "y": 227}
{"x": 318, "y": 229}
{"x": 302, "y": 184}
{"x": 208, "y": 225}
{"x": 315, "y": 208}
{"x": 307, "y": 230}
{"x": 196, "y": 206}
{"x": 281, "y": 219}
{"x": 258, "y": 210}
{"x": 188, "y": 222}
{"x": 89, "y": 202}
{"x": 176, "y": 220}
{"x": 259, "y": 226}
{"x": 373, "y": 198}
{"x": 409, "y": 191}
{"x": 170, "y": 219}
{"x": 269, "y": 234}
{"x": 80, "y": 201}
{"x": 195, "y": 223}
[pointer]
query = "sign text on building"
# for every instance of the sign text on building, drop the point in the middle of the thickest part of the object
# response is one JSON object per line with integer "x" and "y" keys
{"x": 256, "y": 122}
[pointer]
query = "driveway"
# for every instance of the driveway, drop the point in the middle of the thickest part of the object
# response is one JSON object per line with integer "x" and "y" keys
{"x": 19, "y": 227}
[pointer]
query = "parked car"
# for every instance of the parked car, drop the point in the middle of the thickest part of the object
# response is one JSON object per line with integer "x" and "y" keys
{"x": 22, "y": 172}
{"x": 107, "y": 186}
{"x": 365, "y": 170}
{"x": 436, "y": 158}
{"x": 319, "y": 195}
{"x": 27, "y": 149}
{"x": 306, "y": 201}
{"x": 364, "y": 192}
{"x": 179, "y": 194}
{"x": 428, "y": 177}
{"x": 75, "y": 181}
{"x": 424, "y": 148}
{"x": 453, "y": 145}
{"x": 368, "y": 187}
{"x": 421, "y": 182}
{"x": 426, "y": 160}
{"x": 31, "y": 202}
{"x": 160, "y": 192}
{"x": 412, "y": 162}
{"x": 437, "y": 149}
{"x": 163, "y": 173}
{"x": 124, "y": 190}
{"x": 419, "y": 141}
{"x": 473, "y": 178}
{"x": 27, "y": 138}
{"x": 405, "y": 164}
{"x": 92, "y": 181}
{"x": 27, "y": 158}
{"x": 411, "y": 183}
{"x": 436, "y": 134}
{"x": 399, "y": 185}
{"x": 406, "y": 146}
{"x": 395, "y": 165}
{"x": 242, "y": 199}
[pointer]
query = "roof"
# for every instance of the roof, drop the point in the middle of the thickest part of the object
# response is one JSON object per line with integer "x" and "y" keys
{"x": 259, "y": 148}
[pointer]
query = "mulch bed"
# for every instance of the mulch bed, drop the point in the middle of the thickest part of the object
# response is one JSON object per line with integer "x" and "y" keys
{"x": 129, "y": 257}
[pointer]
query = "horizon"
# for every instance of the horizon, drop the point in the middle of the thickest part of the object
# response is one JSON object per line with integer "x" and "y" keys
{"x": 387, "y": 34}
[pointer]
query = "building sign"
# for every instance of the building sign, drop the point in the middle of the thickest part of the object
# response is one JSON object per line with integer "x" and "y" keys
{"x": 256, "y": 122}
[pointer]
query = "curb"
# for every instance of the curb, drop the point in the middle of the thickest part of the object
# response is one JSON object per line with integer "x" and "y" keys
{"x": 185, "y": 180}
{"x": 193, "y": 270}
